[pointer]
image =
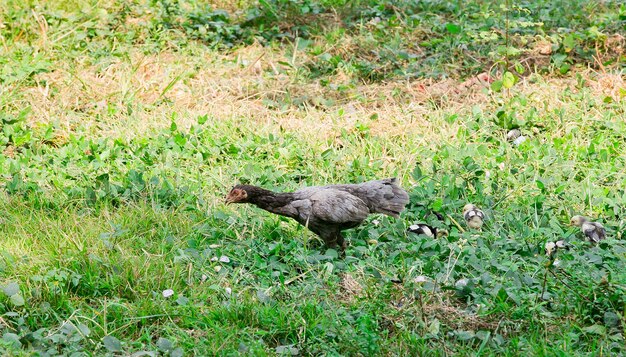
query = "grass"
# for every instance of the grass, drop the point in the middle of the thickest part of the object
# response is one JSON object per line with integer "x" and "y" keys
{"x": 123, "y": 125}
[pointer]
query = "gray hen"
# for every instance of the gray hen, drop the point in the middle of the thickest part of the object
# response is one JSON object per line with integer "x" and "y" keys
{"x": 327, "y": 210}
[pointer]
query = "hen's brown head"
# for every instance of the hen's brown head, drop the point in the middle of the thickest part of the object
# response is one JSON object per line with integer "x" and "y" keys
{"x": 238, "y": 194}
{"x": 247, "y": 194}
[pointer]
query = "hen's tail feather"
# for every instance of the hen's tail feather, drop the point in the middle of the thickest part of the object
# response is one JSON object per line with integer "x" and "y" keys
{"x": 381, "y": 196}
{"x": 393, "y": 204}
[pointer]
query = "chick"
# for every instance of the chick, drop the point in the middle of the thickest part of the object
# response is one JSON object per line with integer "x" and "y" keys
{"x": 594, "y": 231}
{"x": 427, "y": 230}
{"x": 553, "y": 247}
{"x": 561, "y": 244}
{"x": 550, "y": 248}
{"x": 513, "y": 134}
{"x": 473, "y": 216}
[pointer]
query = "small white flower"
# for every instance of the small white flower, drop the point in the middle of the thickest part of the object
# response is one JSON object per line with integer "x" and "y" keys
{"x": 375, "y": 222}
{"x": 167, "y": 293}
{"x": 420, "y": 279}
{"x": 217, "y": 268}
{"x": 502, "y": 166}
{"x": 214, "y": 259}
{"x": 228, "y": 290}
{"x": 487, "y": 174}
{"x": 461, "y": 283}
{"x": 203, "y": 278}
{"x": 556, "y": 263}
{"x": 224, "y": 259}
{"x": 213, "y": 246}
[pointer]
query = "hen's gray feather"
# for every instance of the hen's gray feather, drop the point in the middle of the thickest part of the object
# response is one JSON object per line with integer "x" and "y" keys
{"x": 380, "y": 196}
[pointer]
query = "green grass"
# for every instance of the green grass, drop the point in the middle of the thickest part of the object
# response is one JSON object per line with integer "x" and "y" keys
{"x": 121, "y": 131}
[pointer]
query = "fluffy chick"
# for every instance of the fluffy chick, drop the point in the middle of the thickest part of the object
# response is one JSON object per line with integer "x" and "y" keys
{"x": 553, "y": 247}
{"x": 513, "y": 134}
{"x": 550, "y": 248}
{"x": 594, "y": 231}
{"x": 427, "y": 230}
{"x": 473, "y": 216}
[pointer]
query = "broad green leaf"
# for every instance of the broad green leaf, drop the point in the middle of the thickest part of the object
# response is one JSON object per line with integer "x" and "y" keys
{"x": 262, "y": 296}
{"x": 203, "y": 119}
{"x": 182, "y": 300}
{"x": 595, "y": 329}
{"x": 508, "y": 80}
{"x": 541, "y": 185}
{"x": 287, "y": 350}
{"x": 453, "y": 28}
{"x": 164, "y": 344}
{"x": 84, "y": 330}
{"x": 417, "y": 173}
{"x": 611, "y": 319}
{"x": 12, "y": 339}
{"x": 496, "y": 86}
{"x": 22, "y": 139}
{"x": 437, "y": 204}
{"x": 464, "y": 335}
{"x": 112, "y": 344}
{"x": 11, "y": 288}
{"x": 569, "y": 42}
{"x": 17, "y": 300}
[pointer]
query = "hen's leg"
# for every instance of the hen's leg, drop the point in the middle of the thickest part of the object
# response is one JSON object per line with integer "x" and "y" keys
{"x": 332, "y": 242}
{"x": 341, "y": 241}
{"x": 334, "y": 239}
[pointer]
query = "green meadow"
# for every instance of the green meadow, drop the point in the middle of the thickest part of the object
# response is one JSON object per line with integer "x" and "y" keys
{"x": 123, "y": 124}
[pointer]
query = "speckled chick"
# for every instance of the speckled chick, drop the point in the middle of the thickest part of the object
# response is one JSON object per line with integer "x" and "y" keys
{"x": 594, "y": 231}
{"x": 473, "y": 216}
{"x": 421, "y": 228}
{"x": 553, "y": 247}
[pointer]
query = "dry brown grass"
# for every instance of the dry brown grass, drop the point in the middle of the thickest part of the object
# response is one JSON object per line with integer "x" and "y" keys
{"x": 351, "y": 288}
{"x": 141, "y": 93}
{"x": 458, "y": 318}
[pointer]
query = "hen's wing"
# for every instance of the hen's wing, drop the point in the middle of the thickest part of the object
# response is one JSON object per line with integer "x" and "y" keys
{"x": 380, "y": 196}
{"x": 330, "y": 206}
